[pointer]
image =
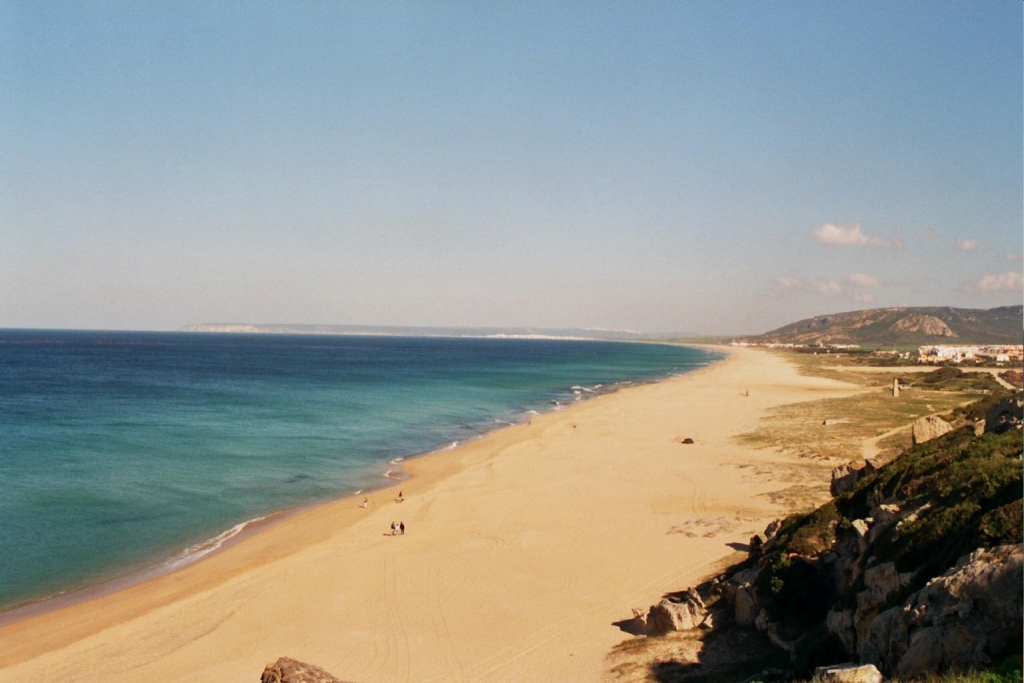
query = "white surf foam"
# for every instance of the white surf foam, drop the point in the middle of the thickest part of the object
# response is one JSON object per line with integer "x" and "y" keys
{"x": 197, "y": 551}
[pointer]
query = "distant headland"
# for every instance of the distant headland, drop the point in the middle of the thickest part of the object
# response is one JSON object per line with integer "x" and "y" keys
{"x": 413, "y": 331}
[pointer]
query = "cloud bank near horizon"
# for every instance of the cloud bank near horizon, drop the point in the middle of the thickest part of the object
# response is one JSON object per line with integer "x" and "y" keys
{"x": 837, "y": 235}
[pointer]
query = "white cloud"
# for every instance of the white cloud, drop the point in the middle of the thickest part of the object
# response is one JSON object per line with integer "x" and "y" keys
{"x": 862, "y": 280}
{"x": 828, "y": 288}
{"x": 1003, "y": 282}
{"x": 823, "y": 287}
{"x": 967, "y": 245}
{"x": 835, "y": 234}
{"x": 1013, "y": 256}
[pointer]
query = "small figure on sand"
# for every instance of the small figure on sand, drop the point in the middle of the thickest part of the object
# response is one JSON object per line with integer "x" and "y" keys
{"x": 393, "y": 527}
{"x": 401, "y": 528}
{"x": 399, "y": 499}
{"x": 366, "y": 502}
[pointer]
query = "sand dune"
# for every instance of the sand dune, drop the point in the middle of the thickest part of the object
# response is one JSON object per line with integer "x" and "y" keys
{"x": 521, "y": 551}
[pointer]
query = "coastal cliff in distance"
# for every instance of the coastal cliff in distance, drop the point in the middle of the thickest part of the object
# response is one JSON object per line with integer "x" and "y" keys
{"x": 903, "y": 326}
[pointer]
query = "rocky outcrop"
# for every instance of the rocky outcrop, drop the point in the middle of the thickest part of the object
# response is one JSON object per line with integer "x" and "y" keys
{"x": 288, "y": 670}
{"x": 764, "y": 542}
{"x": 845, "y": 476}
{"x": 740, "y": 592}
{"x": 928, "y": 428}
{"x": 918, "y": 513}
{"x": 880, "y": 584}
{"x": 964, "y": 618}
{"x": 924, "y": 324}
{"x": 1004, "y": 416}
{"x": 848, "y": 673}
{"x": 682, "y": 615}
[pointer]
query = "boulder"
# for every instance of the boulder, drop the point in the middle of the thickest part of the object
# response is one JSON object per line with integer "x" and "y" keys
{"x": 883, "y": 579}
{"x": 840, "y": 624}
{"x": 886, "y": 639}
{"x": 745, "y": 577}
{"x": 967, "y": 616}
{"x": 928, "y": 428}
{"x": 862, "y": 527}
{"x": 964, "y": 619}
{"x": 771, "y": 533}
{"x": 845, "y": 476}
{"x": 668, "y": 616}
{"x": 755, "y": 545}
{"x": 880, "y": 584}
{"x": 848, "y": 673}
{"x": 287, "y": 670}
{"x": 745, "y": 606}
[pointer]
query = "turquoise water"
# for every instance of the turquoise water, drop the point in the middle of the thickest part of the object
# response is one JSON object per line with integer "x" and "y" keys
{"x": 125, "y": 450}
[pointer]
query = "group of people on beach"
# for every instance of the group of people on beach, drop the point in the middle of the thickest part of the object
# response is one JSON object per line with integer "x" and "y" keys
{"x": 396, "y": 529}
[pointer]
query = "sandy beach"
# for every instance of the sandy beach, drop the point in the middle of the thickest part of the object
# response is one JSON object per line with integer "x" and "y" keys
{"x": 521, "y": 551}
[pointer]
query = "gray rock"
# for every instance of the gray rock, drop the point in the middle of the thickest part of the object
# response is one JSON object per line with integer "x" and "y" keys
{"x": 845, "y": 476}
{"x": 886, "y": 639}
{"x": 848, "y": 673}
{"x": 746, "y": 577}
{"x": 880, "y": 583}
{"x": 968, "y": 615}
{"x": 287, "y": 670}
{"x": 761, "y": 621}
{"x": 883, "y": 579}
{"x": 745, "y": 605}
{"x": 840, "y": 624}
{"x": 928, "y": 428}
{"x": 962, "y": 619}
{"x": 862, "y": 527}
{"x": 668, "y": 616}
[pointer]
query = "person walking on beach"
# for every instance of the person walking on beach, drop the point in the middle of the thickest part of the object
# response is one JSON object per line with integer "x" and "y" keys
{"x": 401, "y": 527}
{"x": 392, "y": 528}
{"x": 366, "y": 502}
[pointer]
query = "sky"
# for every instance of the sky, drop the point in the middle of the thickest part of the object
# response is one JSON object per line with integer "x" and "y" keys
{"x": 690, "y": 166}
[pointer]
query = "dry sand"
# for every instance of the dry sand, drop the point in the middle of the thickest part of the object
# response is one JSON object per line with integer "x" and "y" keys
{"x": 521, "y": 551}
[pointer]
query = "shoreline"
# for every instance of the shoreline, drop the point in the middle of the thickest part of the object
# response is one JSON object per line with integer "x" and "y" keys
{"x": 168, "y": 562}
{"x": 514, "y": 506}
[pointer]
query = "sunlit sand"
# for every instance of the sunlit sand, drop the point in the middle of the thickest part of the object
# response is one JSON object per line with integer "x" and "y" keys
{"x": 520, "y": 552}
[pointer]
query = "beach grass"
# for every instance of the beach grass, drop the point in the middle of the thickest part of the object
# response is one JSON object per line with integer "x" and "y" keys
{"x": 835, "y": 429}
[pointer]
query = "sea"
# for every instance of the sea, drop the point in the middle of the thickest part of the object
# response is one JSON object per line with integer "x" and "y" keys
{"x": 129, "y": 452}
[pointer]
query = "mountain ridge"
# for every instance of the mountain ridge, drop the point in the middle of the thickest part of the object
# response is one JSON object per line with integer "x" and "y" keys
{"x": 905, "y": 325}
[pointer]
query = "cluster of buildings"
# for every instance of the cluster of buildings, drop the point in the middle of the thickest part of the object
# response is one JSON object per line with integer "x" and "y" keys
{"x": 779, "y": 345}
{"x": 1005, "y": 353}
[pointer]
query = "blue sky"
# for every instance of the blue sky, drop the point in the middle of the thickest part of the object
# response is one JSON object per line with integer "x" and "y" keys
{"x": 658, "y": 166}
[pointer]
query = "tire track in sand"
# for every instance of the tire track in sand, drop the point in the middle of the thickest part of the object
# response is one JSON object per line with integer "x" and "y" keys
{"x": 453, "y": 664}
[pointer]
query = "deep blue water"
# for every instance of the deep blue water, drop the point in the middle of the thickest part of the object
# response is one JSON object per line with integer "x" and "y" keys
{"x": 120, "y": 450}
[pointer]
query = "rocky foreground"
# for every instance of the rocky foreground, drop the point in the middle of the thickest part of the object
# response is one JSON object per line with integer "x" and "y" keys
{"x": 914, "y": 567}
